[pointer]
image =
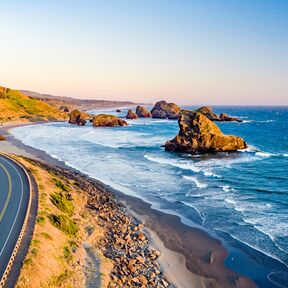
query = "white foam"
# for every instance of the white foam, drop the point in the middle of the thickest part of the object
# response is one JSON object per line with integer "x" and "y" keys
{"x": 226, "y": 188}
{"x": 186, "y": 165}
{"x": 196, "y": 181}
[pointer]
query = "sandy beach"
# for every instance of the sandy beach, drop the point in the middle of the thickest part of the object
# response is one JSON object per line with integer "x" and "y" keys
{"x": 190, "y": 257}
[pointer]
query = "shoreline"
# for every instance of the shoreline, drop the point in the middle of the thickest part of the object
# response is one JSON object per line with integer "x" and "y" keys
{"x": 188, "y": 255}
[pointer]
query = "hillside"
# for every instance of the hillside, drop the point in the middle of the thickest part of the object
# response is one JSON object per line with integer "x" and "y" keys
{"x": 15, "y": 106}
{"x": 73, "y": 103}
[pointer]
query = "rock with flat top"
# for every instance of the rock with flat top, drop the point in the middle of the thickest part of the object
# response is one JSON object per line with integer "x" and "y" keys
{"x": 162, "y": 109}
{"x": 104, "y": 120}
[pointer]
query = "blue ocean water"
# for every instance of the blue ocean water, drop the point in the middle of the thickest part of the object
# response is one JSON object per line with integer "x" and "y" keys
{"x": 239, "y": 197}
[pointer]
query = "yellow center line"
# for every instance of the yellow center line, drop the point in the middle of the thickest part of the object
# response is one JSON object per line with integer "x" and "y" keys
{"x": 9, "y": 192}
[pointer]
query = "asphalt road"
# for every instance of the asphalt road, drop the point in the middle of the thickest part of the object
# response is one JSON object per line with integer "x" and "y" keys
{"x": 14, "y": 201}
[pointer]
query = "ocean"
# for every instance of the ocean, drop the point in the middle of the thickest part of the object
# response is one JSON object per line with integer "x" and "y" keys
{"x": 240, "y": 197}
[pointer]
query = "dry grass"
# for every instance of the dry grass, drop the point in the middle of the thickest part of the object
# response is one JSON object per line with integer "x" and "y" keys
{"x": 56, "y": 258}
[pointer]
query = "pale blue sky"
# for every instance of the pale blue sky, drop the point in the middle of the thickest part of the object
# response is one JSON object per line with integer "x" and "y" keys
{"x": 190, "y": 52}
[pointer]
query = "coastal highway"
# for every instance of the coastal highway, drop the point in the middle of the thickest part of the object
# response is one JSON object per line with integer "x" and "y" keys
{"x": 14, "y": 203}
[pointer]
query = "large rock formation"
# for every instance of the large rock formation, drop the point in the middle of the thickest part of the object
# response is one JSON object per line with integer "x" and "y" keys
{"x": 162, "y": 109}
{"x": 76, "y": 117}
{"x": 198, "y": 134}
{"x": 131, "y": 115}
{"x": 142, "y": 112}
{"x": 104, "y": 120}
{"x": 208, "y": 112}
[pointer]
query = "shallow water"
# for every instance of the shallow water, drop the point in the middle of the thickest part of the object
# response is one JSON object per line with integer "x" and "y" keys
{"x": 240, "y": 197}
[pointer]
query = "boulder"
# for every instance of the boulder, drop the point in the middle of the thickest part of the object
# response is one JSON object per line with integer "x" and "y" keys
{"x": 198, "y": 134}
{"x": 207, "y": 111}
{"x": 142, "y": 112}
{"x": 76, "y": 117}
{"x": 131, "y": 115}
{"x": 118, "y": 110}
{"x": 225, "y": 117}
{"x": 162, "y": 109}
{"x": 104, "y": 120}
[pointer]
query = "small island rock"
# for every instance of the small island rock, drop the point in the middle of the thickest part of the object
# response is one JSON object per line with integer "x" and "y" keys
{"x": 131, "y": 115}
{"x": 208, "y": 112}
{"x": 78, "y": 118}
{"x": 142, "y": 112}
{"x": 225, "y": 117}
{"x": 198, "y": 134}
{"x": 162, "y": 109}
{"x": 104, "y": 120}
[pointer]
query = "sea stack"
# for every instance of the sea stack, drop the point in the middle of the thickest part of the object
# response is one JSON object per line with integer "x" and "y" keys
{"x": 162, "y": 109}
{"x": 78, "y": 118}
{"x": 208, "y": 112}
{"x": 198, "y": 134}
{"x": 142, "y": 112}
{"x": 104, "y": 120}
{"x": 131, "y": 115}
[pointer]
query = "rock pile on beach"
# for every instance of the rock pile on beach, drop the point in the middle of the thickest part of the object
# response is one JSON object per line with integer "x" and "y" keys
{"x": 104, "y": 120}
{"x": 208, "y": 112}
{"x": 124, "y": 242}
{"x": 78, "y": 118}
{"x": 162, "y": 109}
{"x": 198, "y": 134}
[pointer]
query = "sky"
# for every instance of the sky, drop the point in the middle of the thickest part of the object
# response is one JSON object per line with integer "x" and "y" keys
{"x": 232, "y": 52}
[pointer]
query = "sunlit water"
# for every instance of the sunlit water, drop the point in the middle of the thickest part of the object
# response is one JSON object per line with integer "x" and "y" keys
{"x": 240, "y": 197}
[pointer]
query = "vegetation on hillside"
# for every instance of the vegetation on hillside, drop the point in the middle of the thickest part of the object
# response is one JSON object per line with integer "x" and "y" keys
{"x": 15, "y": 106}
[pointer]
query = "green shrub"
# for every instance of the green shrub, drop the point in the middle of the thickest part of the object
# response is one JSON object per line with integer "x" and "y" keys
{"x": 60, "y": 185}
{"x": 67, "y": 253}
{"x": 64, "y": 223}
{"x": 62, "y": 203}
{"x": 46, "y": 235}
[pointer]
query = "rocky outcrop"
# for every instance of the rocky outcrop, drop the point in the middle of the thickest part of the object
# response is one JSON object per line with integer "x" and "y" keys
{"x": 208, "y": 112}
{"x": 104, "y": 120}
{"x": 64, "y": 108}
{"x": 162, "y": 109}
{"x": 78, "y": 118}
{"x": 225, "y": 117}
{"x": 131, "y": 115}
{"x": 198, "y": 134}
{"x": 142, "y": 112}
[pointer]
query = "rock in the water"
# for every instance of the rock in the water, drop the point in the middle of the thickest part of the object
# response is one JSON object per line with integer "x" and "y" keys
{"x": 225, "y": 117}
{"x": 104, "y": 120}
{"x": 118, "y": 110}
{"x": 142, "y": 112}
{"x": 162, "y": 109}
{"x": 198, "y": 134}
{"x": 131, "y": 115}
{"x": 76, "y": 117}
{"x": 207, "y": 111}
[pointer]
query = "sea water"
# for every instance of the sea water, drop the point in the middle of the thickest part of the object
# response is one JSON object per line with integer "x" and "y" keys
{"x": 240, "y": 197}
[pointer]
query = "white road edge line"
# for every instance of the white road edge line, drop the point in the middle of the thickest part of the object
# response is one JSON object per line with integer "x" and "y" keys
{"x": 18, "y": 206}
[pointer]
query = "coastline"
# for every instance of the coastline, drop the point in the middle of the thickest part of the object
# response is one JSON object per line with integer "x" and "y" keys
{"x": 188, "y": 255}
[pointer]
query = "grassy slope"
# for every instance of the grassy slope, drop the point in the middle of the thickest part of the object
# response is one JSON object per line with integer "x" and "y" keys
{"x": 16, "y": 106}
{"x": 56, "y": 256}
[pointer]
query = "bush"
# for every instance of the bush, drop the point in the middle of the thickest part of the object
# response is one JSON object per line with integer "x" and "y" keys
{"x": 64, "y": 223}
{"x": 62, "y": 203}
{"x": 60, "y": 185}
